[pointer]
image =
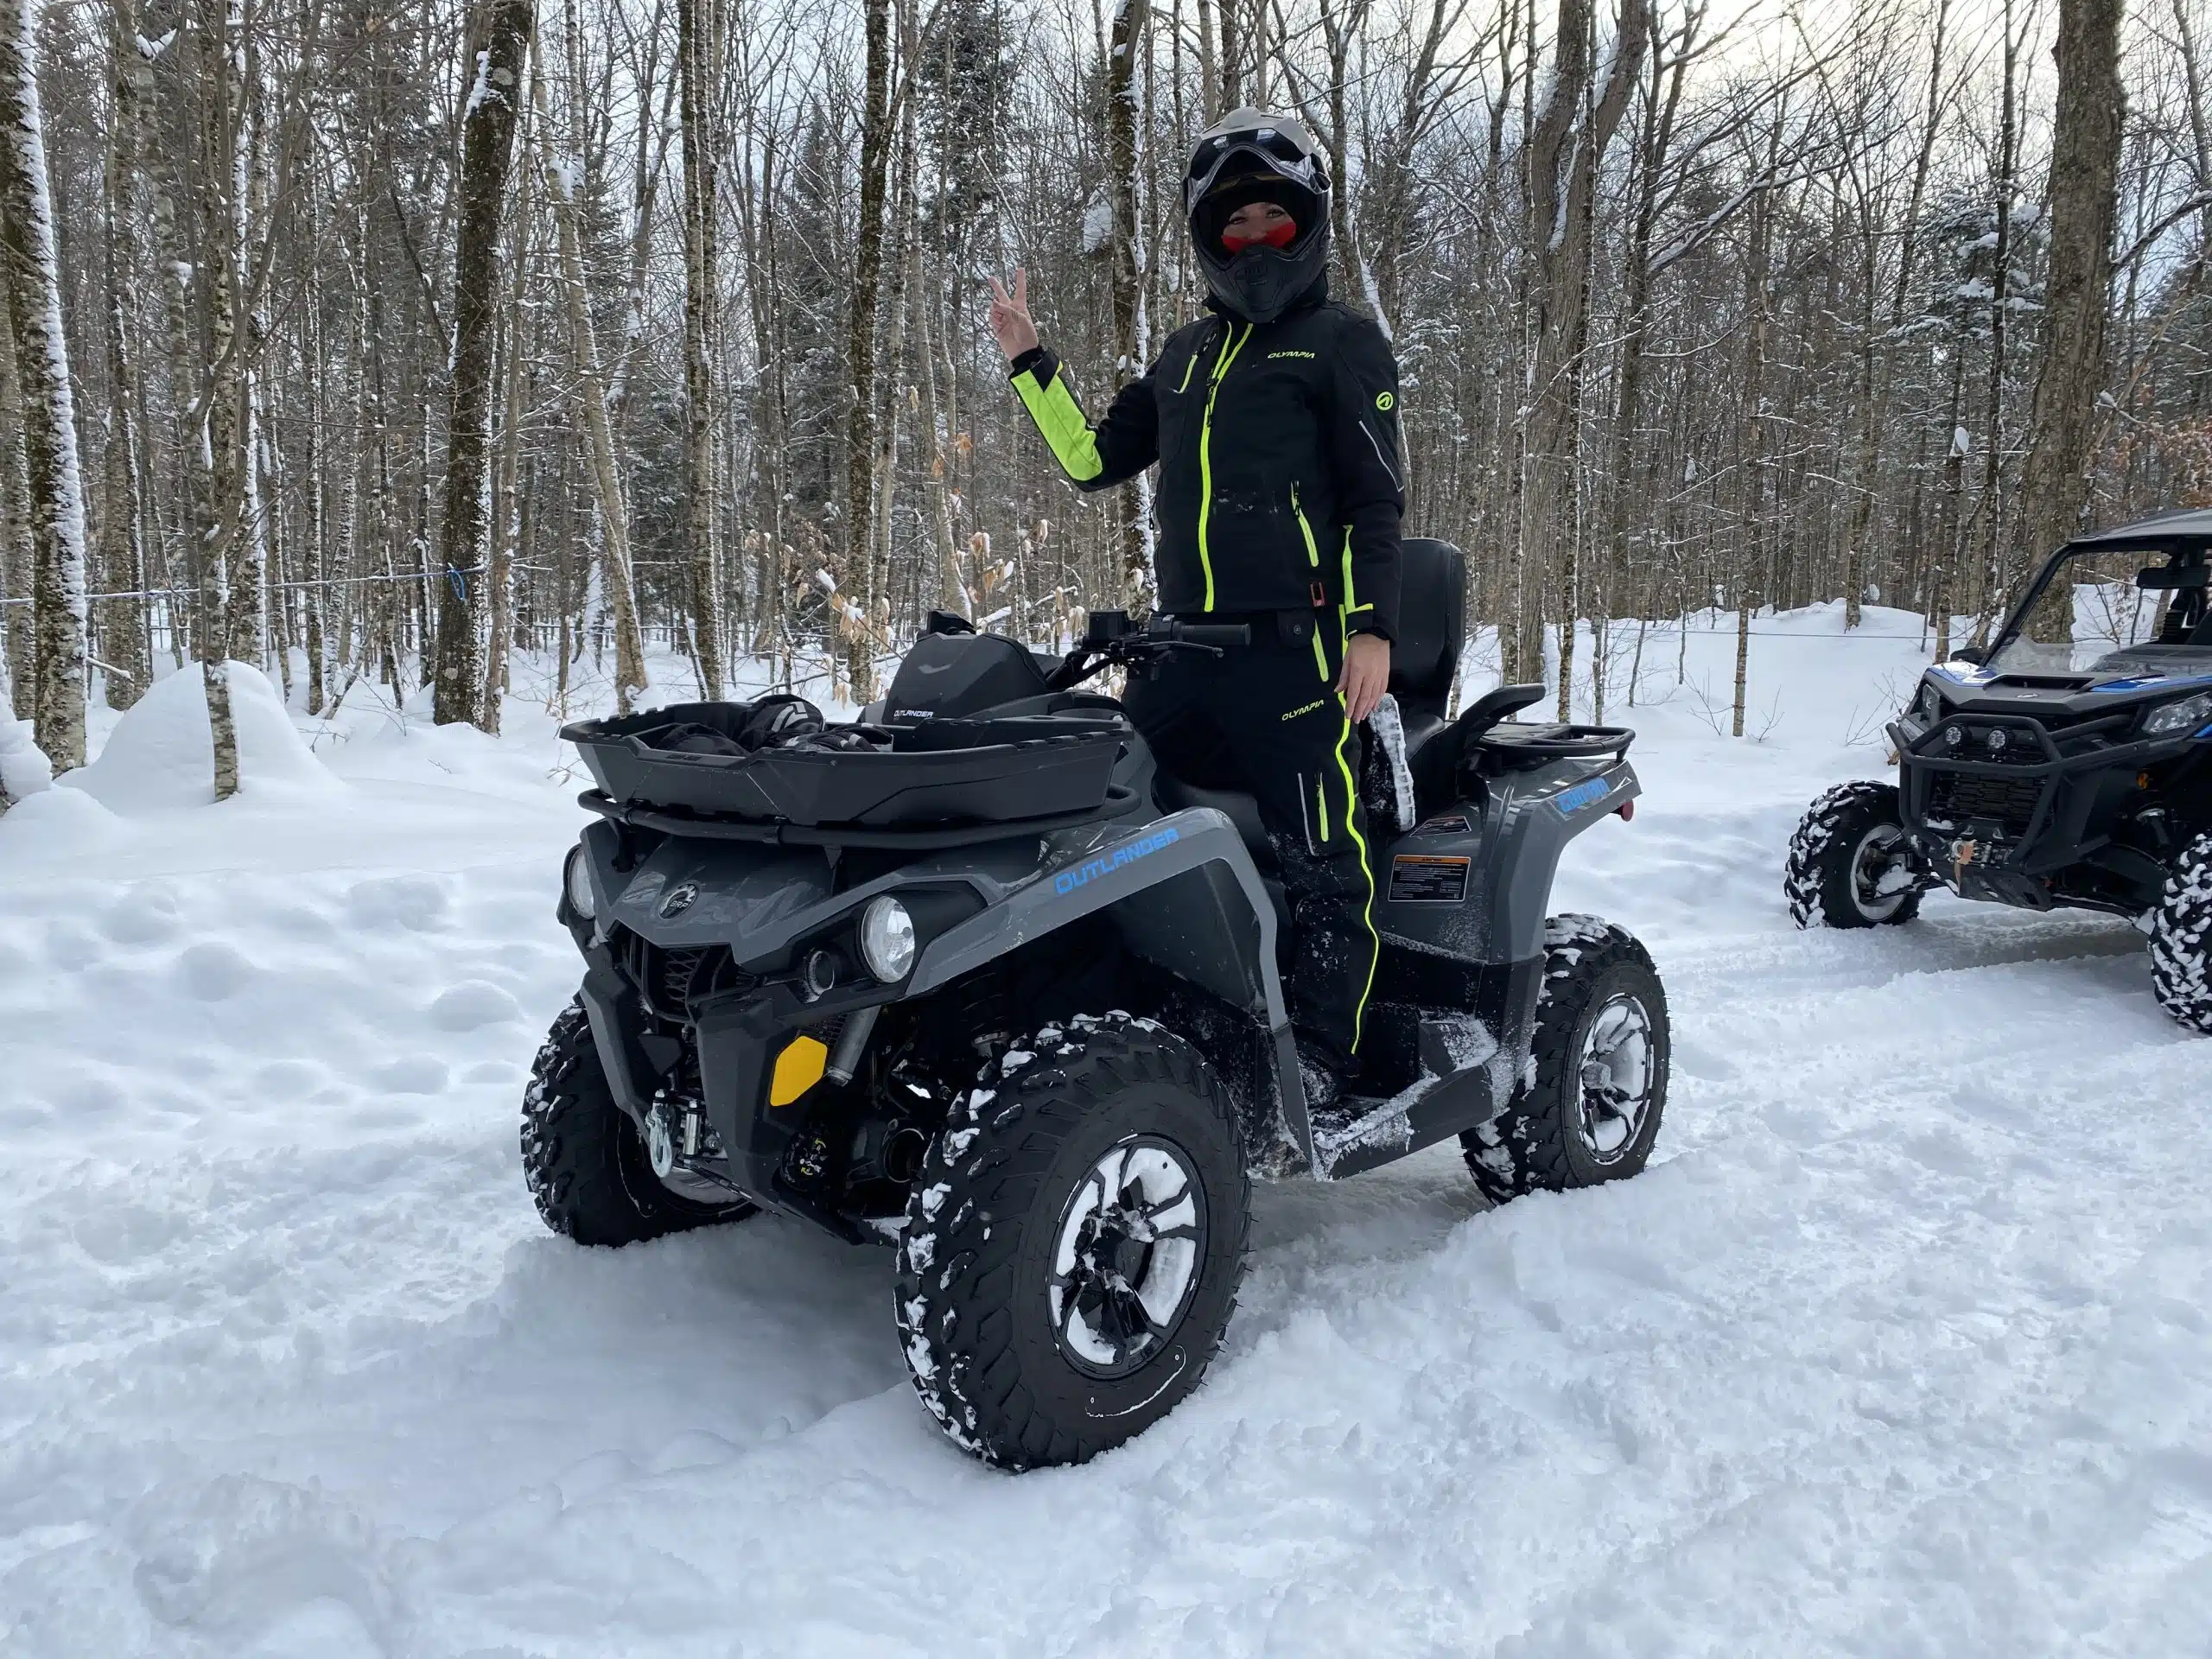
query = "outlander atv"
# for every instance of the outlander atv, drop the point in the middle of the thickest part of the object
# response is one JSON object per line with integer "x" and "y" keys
{"x": 970, "y": 977}
{"x": 2043, "y": 776}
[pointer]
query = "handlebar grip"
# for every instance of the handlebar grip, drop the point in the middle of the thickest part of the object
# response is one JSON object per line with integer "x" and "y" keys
{"x": 1211, "y": 633}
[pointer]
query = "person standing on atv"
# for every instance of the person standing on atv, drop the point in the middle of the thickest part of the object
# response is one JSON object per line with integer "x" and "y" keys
{"x": 1279, "y": 504}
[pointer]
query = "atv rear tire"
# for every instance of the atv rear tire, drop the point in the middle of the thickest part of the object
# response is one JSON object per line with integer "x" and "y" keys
{"x": 1600, "y": 1053}
{"x": 585, "y": 1161}
{"x": 1074, "y": 1243}
{"x": 1844, "y": 859}
{"x": 2181, "y": 940}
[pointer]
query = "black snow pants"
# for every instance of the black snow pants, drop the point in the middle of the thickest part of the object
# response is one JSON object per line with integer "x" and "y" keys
{"x": 1265, "y": 719}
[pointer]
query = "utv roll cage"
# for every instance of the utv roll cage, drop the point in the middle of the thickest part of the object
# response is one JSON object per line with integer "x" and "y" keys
{"x": 2183, "y": 537}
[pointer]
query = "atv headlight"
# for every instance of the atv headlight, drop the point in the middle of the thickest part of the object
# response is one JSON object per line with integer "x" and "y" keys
{"x": 888, "y": 939}
{"x": 2185, "y": 716}
{"x": 577, "y": 880}
{"x": 1927, "y": 708}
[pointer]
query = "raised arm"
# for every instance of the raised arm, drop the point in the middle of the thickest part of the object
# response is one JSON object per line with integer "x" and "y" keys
{"x": 1095, "y": 456}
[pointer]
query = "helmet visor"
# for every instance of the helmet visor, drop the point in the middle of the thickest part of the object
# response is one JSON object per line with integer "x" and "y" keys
{"x": 1264, "y": 151}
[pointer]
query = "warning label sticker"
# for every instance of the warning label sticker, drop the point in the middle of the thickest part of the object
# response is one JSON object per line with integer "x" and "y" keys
{"x": 1416, "y": 879}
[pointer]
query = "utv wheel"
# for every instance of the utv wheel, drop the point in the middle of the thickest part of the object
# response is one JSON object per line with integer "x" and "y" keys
{"x": 2181, "y": 940}
{"x": 1601, "y": 1056}
{"x": 585, "y": 1161}
{"x": 1074, "y": 1243}
{"x": 1850, "y": 862}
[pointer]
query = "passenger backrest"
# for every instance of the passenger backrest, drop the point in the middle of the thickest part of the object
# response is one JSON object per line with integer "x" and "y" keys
{"x": 1432, "y": 617}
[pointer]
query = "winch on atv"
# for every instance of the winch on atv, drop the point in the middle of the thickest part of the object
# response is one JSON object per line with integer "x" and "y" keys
{"x": 971, "y": 976}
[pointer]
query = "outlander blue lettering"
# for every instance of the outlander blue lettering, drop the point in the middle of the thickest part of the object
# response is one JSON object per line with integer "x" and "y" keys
{"x": 1145, "y": 846}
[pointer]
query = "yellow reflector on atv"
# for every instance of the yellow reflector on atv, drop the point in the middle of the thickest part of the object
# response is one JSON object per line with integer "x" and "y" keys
{"x": 799, "y": 1068}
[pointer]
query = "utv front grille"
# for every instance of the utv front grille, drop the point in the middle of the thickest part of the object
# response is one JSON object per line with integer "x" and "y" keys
{"x": 1962, "y": 797}
{"x": 673, "y": 983}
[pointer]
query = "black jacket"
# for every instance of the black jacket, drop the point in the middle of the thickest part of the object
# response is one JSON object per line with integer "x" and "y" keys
{"x": 1278, "y": 469}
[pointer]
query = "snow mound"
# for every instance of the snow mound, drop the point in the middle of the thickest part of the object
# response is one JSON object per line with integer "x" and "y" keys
{"x": 23, "y": 770}
{"x": 160, "y": 754}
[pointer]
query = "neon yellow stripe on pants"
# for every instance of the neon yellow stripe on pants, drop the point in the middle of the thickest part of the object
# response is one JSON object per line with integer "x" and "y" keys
{"x": 1352, "y": 823}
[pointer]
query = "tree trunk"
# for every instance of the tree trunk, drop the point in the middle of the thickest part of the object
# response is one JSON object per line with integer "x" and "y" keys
{"x": 2084, "y": 168}
{"x": 498, "y": 44}
{"x": 122, "y": 563}
{"x": 56, "y": 489}
{"x": 508, "y": 495}
{"x": 860, "y": 339}
{"x": 591, "y": 403}
{"x": 14, "y": 523}
{"x": 699, "y": 46}
{"x": 1565, "y": 148}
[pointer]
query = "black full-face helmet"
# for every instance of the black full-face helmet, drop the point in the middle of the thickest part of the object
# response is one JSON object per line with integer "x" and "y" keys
{"x": 1251, "y": 156}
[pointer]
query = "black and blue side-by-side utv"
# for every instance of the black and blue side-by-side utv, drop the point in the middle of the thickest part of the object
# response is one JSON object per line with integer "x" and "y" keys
{"x": 2046, "y": 773}
{"x": 972, "y": 977}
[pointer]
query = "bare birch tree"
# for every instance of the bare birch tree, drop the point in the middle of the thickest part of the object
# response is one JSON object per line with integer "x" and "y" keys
{"x": 56, "y": 494}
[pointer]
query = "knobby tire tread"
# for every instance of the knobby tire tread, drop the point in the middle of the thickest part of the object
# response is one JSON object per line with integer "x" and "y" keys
{"x": 1818, "y": 876}
{"x": 1524, "y": 1149}
{"x": 957, "y": 1269}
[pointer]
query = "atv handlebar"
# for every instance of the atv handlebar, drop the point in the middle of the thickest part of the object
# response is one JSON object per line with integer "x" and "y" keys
{"x": 1213, "y": 634}
{"x": 1113, "y": 641}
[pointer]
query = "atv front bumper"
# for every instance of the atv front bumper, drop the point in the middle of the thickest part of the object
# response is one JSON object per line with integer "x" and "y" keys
{"x": 1998, "y": 814}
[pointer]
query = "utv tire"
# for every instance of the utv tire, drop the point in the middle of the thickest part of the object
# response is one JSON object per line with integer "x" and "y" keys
{"x": 1074, "y": 1243}
{"x": 1600, "y": 1056}
{"x": 1848, "y": 842}
{"x": 585, "y": 1161}
{"x": 2181, "y": 940}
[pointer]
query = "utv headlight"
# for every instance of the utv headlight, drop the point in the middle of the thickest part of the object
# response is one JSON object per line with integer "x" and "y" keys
{"x": 888, "y": 939}
{"x": 577, "y": 880}
{"x": 2174, "y": 717}
{"x": 1927, "y": 708}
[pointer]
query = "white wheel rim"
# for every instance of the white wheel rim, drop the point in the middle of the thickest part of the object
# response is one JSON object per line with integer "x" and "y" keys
{"x": 1618, "y": 1078}
{"x": 1880, "y": 879}
{"x": 1126, "y": 1256}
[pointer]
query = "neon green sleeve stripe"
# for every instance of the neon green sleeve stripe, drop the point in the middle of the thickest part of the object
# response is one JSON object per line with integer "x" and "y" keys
{"x": 1060, "y": 419}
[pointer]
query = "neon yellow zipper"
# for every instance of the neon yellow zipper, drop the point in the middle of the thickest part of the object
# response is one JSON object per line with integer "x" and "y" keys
{"x": 1230, "y": 347}
{"x": 1313, "y": 548}
{"x": 1313, "y": 560}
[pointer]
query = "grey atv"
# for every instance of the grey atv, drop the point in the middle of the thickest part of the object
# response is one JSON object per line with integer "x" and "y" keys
{"x": 2074, "y": 774}
{"x": 972, "y": 978}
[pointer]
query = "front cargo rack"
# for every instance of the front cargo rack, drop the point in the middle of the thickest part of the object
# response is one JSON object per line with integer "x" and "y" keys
{"x": 942, "y": 776}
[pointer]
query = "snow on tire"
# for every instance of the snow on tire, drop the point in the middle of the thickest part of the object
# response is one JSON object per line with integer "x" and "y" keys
{"x": 1074, "y": 1243}
{"x": 2181, "y": 940}
{"x": 585, "y": 1163}
{"x": 1588, "y": 1108}
{"x": 1849, "y": 865}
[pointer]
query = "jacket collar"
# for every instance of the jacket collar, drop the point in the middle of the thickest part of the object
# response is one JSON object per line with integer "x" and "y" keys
{"x": 1317, "y": 293}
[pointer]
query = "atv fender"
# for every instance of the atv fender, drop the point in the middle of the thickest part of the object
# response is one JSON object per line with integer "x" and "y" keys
{"x": 1539, "y": 814}
{"x": 1183, "y": 895}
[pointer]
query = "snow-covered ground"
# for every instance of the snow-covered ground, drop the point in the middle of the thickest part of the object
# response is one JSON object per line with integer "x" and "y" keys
{"x": 1902, "y": 1346}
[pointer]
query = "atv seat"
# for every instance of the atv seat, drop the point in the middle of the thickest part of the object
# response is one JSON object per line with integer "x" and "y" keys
{"x": 1432, "y": 617}
{"x": 1241, "y": 809}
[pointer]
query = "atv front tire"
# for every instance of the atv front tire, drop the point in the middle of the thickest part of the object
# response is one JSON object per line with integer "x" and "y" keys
{"x": 1850, "y": 864}
{"x": 585, "y": 1161}
{"x": 1600, "y": 1054}
{"x": 1074, "y": 1243}
{"x": 2181, "y": 940}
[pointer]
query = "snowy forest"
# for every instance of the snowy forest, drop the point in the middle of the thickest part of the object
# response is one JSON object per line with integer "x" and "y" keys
{"x": 382, "y": 340}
